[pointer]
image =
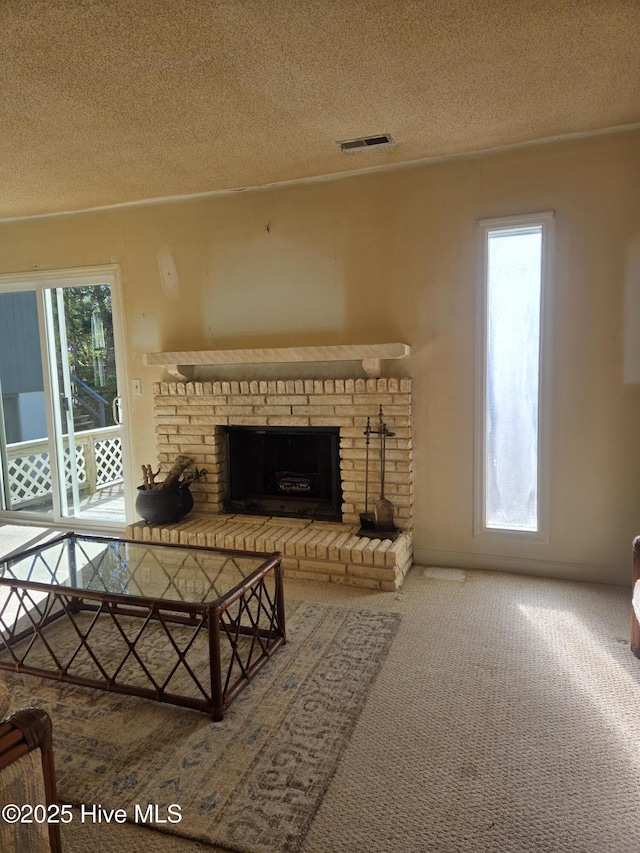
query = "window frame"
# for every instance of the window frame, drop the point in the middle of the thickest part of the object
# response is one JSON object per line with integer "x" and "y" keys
{"x": 546, "y": 222}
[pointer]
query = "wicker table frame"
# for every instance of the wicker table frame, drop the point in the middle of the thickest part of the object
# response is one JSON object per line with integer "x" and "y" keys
{"x": 258, "y": 616}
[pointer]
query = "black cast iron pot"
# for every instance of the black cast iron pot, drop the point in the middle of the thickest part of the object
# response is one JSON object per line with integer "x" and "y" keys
{"x": 162, "y": 506}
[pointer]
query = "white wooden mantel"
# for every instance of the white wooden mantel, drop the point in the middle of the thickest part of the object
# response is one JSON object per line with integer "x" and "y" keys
{"x": 182, "y": 364}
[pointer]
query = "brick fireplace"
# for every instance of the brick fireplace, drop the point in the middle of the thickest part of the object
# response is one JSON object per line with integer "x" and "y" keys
{"x": 191, "y": 418}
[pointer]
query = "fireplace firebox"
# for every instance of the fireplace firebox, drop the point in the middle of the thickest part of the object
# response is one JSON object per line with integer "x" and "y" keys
{"x": 291, "y": 472}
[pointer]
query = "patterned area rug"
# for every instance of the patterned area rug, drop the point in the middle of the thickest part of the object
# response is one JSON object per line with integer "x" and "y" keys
{"x": 252, "y": 782}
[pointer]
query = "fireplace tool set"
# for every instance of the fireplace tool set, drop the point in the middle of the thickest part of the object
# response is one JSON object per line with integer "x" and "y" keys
{"x": 379, "y": 522}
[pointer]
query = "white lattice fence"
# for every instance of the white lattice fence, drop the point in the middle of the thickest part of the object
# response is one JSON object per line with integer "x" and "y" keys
{"x": 108, "y": 454}
{"x": 30, "y": 473}
{"x": 98, "y": 464}
{"x": 81, "y": 464}
{"x": 29, "y": 477}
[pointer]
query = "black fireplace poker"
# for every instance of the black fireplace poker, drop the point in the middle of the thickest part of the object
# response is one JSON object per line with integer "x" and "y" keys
{"x": 379, "y": 522}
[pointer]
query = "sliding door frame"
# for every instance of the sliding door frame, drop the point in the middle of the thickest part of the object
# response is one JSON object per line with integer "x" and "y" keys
{"x": 39, "y": 281}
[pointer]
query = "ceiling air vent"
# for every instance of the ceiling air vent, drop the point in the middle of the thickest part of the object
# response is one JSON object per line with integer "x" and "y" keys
{"x": 365, "y": 142}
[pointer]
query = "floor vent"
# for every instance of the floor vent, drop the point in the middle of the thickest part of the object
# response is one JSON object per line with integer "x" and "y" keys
{"x": 365, "y": 142}
{"x": 445, "y": 574}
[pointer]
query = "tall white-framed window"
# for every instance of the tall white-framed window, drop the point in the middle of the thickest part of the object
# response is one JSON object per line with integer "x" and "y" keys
{"x": 513, "y": 373}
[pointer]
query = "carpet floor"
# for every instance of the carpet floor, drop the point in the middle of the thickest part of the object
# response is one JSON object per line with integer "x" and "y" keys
{"x": 503, "y": 720}
{"x": 253, "y": 781}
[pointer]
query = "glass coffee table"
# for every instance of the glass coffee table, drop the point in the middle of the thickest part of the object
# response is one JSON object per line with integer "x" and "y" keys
{"x": 185, "y": 625}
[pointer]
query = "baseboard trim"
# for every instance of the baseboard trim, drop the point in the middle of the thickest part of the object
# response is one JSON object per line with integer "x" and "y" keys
{"x": 523, "y": 566}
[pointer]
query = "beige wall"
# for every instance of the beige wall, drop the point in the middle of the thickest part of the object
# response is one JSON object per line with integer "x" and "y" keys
{"x": 391, "y": 257}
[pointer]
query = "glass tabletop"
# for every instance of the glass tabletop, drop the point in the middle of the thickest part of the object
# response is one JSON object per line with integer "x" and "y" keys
{"x": 132, "y": 568}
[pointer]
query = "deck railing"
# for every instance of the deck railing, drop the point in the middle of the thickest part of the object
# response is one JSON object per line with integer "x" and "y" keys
{"x": 98, "y": 464}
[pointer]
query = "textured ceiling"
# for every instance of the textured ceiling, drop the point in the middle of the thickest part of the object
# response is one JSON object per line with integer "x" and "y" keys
{"x": 110, "y": 101}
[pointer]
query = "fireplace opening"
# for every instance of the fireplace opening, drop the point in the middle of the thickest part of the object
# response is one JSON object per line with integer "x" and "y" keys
{"x": 291, "y": 472}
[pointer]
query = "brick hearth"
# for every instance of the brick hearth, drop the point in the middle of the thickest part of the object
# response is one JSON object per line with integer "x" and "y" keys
{"x": 190, "y": 418}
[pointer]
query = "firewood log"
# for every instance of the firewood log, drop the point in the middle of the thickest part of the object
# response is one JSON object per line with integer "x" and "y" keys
{"x": 172, "y": 478}
{"x": 149, "y": 477}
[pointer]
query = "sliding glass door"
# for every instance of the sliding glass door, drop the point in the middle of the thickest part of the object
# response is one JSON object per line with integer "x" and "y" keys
{"x": 62, "y": 448}
{"x": 25, "y": 447}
